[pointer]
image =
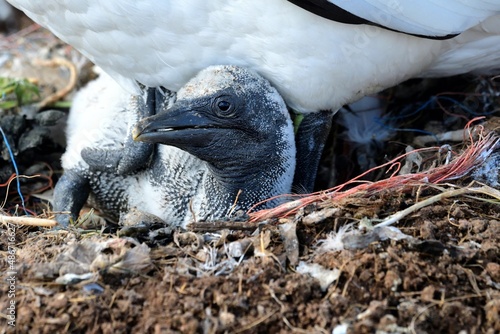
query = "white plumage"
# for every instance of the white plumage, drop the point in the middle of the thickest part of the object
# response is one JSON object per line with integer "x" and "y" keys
{"x": 5, "y": 11}
{"x": 428, "y": 17}
{"x": 315, "y": 63}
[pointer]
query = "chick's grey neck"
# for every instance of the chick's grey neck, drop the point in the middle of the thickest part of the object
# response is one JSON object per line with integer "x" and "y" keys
{"x": 231, "y": 183}
{"x": 252, "y": 185}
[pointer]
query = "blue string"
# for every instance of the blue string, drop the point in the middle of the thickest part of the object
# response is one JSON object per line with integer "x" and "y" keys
{"x": 466, "y": 108}
{"x": 15, "y": 169}
{"x": 382, "y": 122}
{"x": 403, "y": 115}
{"x": 386, "y": 120}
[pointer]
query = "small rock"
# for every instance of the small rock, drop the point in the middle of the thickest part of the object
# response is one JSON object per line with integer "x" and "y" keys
{"x": 239, "y": 248}
{"x": 493, "y": 270}
{"x": 49, "y": 117}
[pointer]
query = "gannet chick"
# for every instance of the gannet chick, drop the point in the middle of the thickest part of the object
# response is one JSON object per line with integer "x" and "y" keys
{"x": 226, "y": 144}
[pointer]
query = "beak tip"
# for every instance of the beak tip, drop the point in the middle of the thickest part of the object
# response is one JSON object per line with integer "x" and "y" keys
{"x": 135, "y": 133}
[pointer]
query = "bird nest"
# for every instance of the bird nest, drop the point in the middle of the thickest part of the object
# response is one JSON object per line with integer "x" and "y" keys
{"x": 411, "y": 246}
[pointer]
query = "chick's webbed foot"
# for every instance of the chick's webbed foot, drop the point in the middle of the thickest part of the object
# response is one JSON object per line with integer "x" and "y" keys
{"x": 70, "y": 194}
{"x": 134, "y": 155}
{"x": 310, "y": 140}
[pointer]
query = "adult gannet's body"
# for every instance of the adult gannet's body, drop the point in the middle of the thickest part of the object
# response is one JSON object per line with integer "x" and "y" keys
{"x": 231, "y": 147}
{"x": 315, "y": 62}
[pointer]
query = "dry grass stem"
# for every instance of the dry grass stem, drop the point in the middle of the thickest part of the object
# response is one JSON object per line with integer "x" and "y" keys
{"x": 29, "y": 221}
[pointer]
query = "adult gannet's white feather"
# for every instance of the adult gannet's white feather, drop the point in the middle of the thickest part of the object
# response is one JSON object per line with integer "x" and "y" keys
{"x": 315, "y": 63}
{"x": 5, "y": 10}
{"x": 427, "y": 18}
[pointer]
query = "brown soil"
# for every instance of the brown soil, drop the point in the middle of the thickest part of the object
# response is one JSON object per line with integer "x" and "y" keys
{"x": 445, "y": 280}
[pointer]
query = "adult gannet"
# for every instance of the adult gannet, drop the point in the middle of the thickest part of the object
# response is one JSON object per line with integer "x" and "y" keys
{"x": 318, "y": 54}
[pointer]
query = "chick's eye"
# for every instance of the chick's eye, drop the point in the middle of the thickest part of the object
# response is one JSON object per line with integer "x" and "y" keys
{"x": 223, "y": 105}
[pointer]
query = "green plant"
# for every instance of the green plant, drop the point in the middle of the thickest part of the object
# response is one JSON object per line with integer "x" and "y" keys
{"x": 17, "y": 92}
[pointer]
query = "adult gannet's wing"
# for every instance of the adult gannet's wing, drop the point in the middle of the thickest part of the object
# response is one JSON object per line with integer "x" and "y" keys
{"x": 426, "y": 18}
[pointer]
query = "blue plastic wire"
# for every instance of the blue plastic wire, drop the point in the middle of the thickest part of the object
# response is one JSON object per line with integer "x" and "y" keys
{"x": 466, "y": 108}
{"x": 386, "y": 120}
{"x": 404, "y": 115}
{"x": 15, "y": 169}
{"x": 415, "y": 130}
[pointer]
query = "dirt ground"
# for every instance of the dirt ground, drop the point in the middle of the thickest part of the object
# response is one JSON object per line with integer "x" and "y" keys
{"x": 444, "y": 281}
{"x": 322, "y": 269}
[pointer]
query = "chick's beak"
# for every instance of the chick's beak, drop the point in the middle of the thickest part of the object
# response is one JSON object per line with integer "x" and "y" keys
{"x": 179, "y": 126}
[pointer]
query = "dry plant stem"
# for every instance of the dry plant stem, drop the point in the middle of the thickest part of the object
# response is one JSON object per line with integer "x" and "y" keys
{"x": 68, "y": 88}
{"x": 456, "y": 136}
{"x": 440, "y": 302}
{"x": 463, "y": 164}
{"x": 256, "y": 322}
{"x": 293, "y": 328}
{"x": 233, "y": 207}
{"x": 431, "y": 200}
{"x": 222, "y": 225}
{"x": 29, "y": 221}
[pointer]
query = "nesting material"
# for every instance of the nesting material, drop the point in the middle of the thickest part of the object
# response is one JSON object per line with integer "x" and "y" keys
{"x": 323, "y": 275}
{"x": 481, "y": 147}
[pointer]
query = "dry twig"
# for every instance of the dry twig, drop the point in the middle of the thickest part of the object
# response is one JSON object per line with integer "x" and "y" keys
{"x": 65, "y": 90}
{"x": 29, "y": 221}
{"x": 463, "y": 164}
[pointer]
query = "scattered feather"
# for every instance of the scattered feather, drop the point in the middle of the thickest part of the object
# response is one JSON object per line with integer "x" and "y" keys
{"x": 288, "y": 233}
{"x": 363, "y": 121}
{"x": 356, "y": 240}
{"x": 334, "y": 240}
{"x": 323, "y": 275}
{"x": 72, "y": 279}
